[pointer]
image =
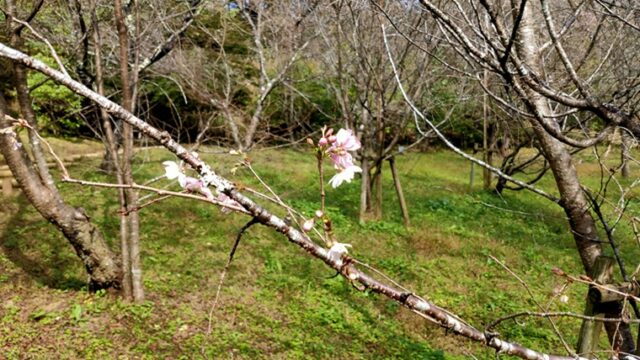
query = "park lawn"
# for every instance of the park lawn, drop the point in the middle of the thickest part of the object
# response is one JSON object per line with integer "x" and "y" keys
{"x": 278, "y": 302}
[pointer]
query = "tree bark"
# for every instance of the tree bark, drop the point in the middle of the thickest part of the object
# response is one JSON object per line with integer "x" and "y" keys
{"x": 100, "y": 262}
{"x": 111, "y": 156}
{"x": 364, "y": 190}
{"x": 625, "y": 152}
{"x": 573, "y": 200}
{"x": 376, "y": 192}
{"x": 24, "y": 100}
{"x": 130, "y": 243}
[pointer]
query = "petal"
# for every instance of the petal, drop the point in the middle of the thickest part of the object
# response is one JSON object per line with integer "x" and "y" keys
{"x": 342, "y": 161}
{"x": 182, "y": 180}
{"x": 342, "y": 136}
{"x": 354, "y": 169}
{"x": 336, "y": 180}
{"x": 337, "y": 250}
{"x": 207, "y": 193}
{"x": 354, "y": 144}
{"x": 171, "y": 169}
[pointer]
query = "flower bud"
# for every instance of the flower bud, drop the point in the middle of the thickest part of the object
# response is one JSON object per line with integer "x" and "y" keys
{"x": 308, "y": 225}
{"x": 564, "y": 299}
{"x": 323, "y": 141}
{"x": 332, "y": 139}
{"x": 329, "y": 132}
{"x": 319, "y": 214}
{"x": 310, "y": 141}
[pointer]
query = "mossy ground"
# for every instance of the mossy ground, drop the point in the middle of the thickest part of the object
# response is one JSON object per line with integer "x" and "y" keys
{"x": 278, "y": 302}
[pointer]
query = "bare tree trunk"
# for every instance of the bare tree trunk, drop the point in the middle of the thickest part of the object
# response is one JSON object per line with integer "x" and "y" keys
{"x": 130, "y": 244}
{"x": 100, "y": 263}
{"x": 111, "y": 156}
{"x": 573, "y": 200}
{"x": 39, "y": 187}
{"x": 486, "y": 174}
{"x": 376, "y": 191}
{"x": 364, "y": 190}
{"x": 24, "y": 100}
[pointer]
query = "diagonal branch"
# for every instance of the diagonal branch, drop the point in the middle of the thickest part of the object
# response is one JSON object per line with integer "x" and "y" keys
{"x": 346, "y": 266}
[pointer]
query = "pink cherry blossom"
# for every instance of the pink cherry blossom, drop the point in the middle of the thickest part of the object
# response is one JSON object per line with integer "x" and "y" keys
{"x": 344, "y": 142}
{"x": 227, "y": 201}
{"x": 196, "y": 186}
{"x": 341, "y": 144}
{"x": 172, "y": 171}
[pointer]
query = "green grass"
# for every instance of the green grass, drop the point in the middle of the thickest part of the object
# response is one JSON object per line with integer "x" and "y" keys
{"x": 277, "y": 301}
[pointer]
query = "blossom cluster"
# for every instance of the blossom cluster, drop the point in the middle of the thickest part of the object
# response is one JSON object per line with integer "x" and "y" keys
{"x": 193, "y": 185}
{"x": 337, "y": 147}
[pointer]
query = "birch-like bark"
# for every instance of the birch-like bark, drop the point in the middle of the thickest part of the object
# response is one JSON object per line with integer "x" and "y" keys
{"x": 626, "y": 143}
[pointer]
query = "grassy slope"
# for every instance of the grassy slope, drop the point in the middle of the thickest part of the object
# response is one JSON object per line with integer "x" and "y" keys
{"x": 278, "y": 302}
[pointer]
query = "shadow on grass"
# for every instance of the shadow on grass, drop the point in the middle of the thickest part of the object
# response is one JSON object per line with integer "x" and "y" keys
{"x": 39, "y": 249}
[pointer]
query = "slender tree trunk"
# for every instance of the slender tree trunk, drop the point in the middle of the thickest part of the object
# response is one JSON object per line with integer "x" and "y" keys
{"x": 113, "y": 162}
{"x": 573, "y": 200}
{"x": 376, "y": 191}
{"x": 486, "y": 174}
{"x": 24, "y": 100}
{"x": 625, "y": 152}
{"x": 100, "y": 263}
{"x": 130, "y": 244}
{"x": 364, "y": 190}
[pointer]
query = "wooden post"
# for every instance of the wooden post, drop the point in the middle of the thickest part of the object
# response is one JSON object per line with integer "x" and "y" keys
{"x": 7, "y": 187}
{"x": 401, "y": 200}
{"x": 602, "y": 273}
{"x": 364, "y": 190}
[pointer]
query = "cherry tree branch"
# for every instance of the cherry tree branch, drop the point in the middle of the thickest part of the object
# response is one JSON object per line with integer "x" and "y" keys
{"x": 344, "y": 265}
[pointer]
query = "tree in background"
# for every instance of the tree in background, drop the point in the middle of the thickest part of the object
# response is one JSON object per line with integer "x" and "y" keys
{"x": 569, "y": 83}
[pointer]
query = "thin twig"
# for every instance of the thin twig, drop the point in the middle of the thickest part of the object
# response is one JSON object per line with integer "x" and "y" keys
{"x": 496, "y": 322}
{"x": 528, "y": 289}
{"x": 43, "y": 39}
{"x": 152, "y": 189}
{"x": 223, "y": 275}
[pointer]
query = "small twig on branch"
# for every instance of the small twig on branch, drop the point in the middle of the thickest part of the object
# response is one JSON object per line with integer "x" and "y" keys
{"x": 533, "y": 298}
{"x": 223, "y": 275}
{"x": 584, "y": 279}
{"x": 43, "y": 39}
{"x": 496, "y": 322}
{"x": 24, "y": 123}
{"x": 155, "y": 190}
